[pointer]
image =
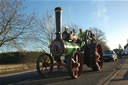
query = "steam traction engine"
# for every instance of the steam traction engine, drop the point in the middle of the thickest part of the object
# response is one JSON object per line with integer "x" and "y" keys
{"x": 70, "y": 54}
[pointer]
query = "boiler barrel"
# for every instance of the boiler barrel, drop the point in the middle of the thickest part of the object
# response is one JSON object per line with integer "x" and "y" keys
{"x": 70, "y": 47}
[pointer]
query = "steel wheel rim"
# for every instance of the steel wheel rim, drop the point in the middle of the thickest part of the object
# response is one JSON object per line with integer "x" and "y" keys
{"x": 76, "y": 65}
{"x": 44, "y": 65}
{"x": 99, "y": 56}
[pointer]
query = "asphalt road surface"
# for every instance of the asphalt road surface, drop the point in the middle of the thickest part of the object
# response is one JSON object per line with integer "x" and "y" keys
{"x": 88, "y": 77}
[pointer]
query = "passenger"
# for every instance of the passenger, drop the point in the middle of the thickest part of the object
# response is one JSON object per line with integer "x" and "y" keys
{"x": 66, "y": 34}
{"x": 75, "y": 37}
{"x": 74, "y": 33}
{"x": 71, "y": 35}
{"x": 81, "y": 35}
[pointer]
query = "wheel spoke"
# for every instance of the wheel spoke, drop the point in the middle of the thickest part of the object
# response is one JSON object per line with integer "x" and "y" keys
{"x": 75, "y": 69}
{"x": 75, "y": 72}
{"x": 97, "y": 55}
{"x": 76, "y": 59}
{"x": 76, "y": 65}
{"x": 73, "y": 60}
{"x": 46, "y": 69}
{"x": 44, "y": 64}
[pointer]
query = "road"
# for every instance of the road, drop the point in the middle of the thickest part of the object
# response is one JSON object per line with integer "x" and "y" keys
{"x": 88, "y": 77}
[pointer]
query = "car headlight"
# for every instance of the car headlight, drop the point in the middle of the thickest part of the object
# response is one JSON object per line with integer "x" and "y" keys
{"x": 112, "y": 56}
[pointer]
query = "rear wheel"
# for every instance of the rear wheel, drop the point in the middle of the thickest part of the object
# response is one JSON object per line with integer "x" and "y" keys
{"x": 96, "y": 57}
{"x": 44, "y": 64}
{"x": 76, "y": 65}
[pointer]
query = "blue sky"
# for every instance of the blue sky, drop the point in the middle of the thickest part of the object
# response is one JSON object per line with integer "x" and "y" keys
{"x": 111, "y": 16}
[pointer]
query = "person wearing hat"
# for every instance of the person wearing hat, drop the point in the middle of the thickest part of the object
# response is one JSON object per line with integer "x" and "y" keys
{"x": 74, "y": 36}
{"x": 66, "y": 34}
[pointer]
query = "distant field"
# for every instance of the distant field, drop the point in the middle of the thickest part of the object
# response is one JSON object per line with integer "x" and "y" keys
{"x": 16, "y": 67}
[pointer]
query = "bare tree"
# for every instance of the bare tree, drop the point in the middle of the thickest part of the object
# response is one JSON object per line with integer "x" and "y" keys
{"x": 46, "y": 31}
{"x": 13, "y": 23}
{"x": 100, "y": 37}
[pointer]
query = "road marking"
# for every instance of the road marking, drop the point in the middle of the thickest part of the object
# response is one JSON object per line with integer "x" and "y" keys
{"x": 107, "y": 80}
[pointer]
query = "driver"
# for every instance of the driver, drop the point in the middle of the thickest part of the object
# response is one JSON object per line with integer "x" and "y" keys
{"x": 66, "y": 34}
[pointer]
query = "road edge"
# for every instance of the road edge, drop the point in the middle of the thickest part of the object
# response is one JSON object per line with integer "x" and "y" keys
{"x": 17, "y": 73}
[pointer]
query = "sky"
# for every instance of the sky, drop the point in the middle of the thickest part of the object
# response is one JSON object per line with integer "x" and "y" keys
{"x": 110, "y": 16}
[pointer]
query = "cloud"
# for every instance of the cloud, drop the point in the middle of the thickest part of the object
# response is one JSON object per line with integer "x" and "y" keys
{"x": 101, "y": 13}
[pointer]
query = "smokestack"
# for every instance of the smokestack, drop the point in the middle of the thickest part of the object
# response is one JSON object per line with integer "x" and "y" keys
{"x": 58, "y": 14}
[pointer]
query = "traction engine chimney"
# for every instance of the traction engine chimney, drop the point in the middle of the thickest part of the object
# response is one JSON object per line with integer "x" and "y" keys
{"x": 58, "y": 14}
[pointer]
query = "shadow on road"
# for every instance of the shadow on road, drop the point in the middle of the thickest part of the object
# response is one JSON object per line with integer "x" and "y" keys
{"x": 33, "y": 77}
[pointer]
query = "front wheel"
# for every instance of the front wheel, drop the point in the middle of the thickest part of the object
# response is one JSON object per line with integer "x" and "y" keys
{"x": 44, "y": 64}
{"x": 76, "y": 65}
